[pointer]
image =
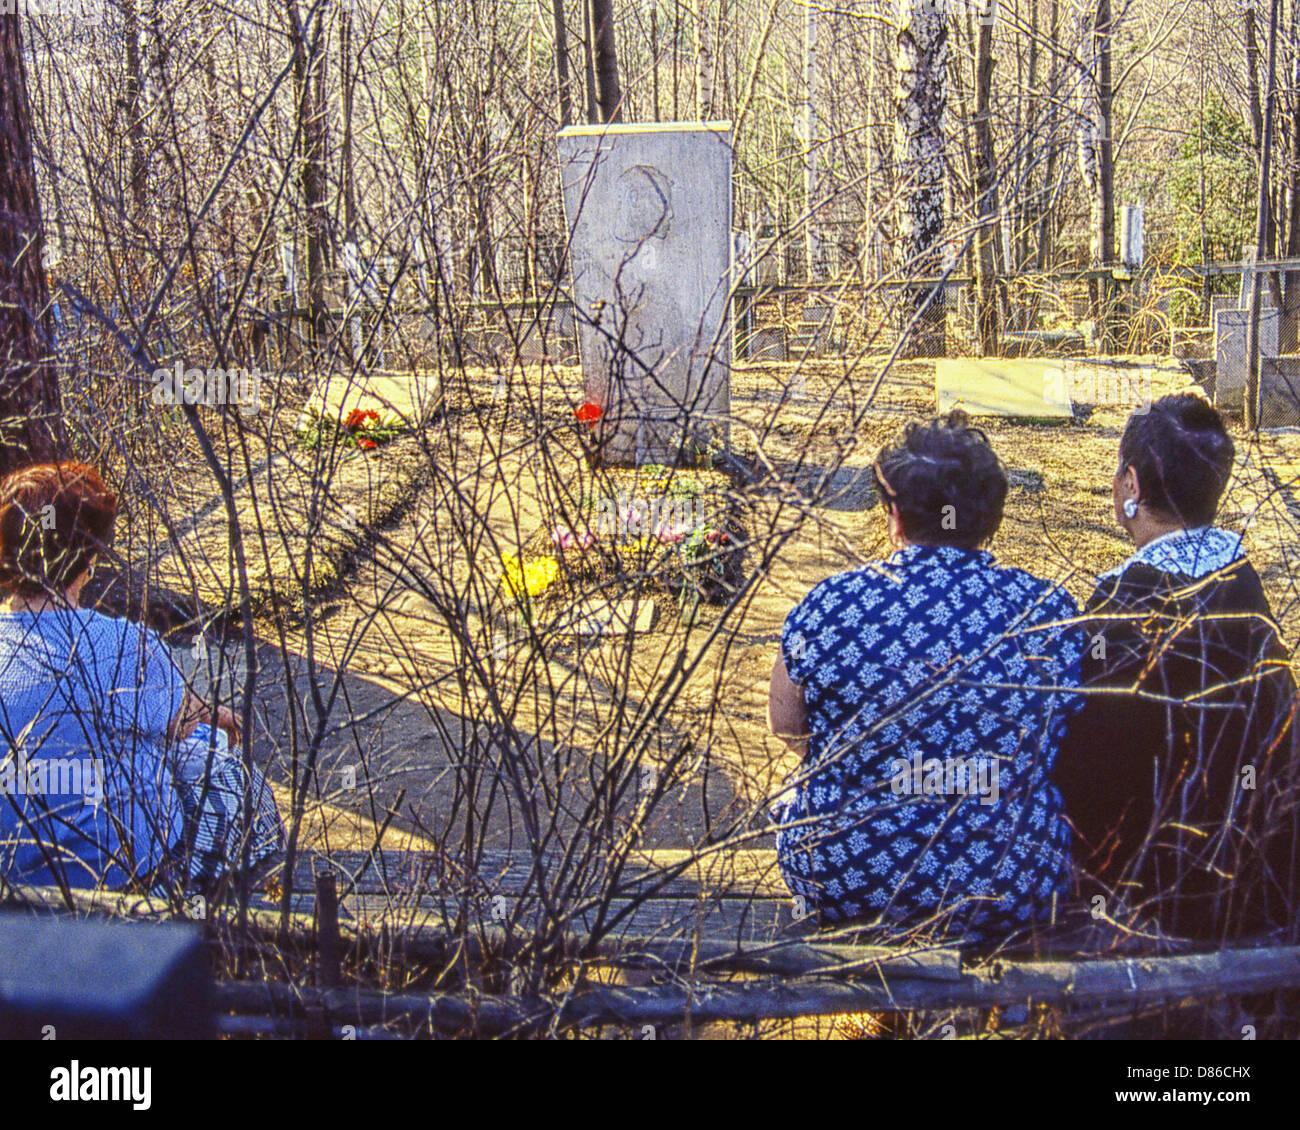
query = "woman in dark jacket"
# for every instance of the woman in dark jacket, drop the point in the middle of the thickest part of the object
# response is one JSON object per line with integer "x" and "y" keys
{"x": 1179, "y": 775}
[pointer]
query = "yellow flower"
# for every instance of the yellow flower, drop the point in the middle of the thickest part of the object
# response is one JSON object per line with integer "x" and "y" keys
{"x": 531, "y": 578}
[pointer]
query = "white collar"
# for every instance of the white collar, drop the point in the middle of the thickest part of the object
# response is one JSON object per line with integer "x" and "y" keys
{"x": 1194, "y": 552}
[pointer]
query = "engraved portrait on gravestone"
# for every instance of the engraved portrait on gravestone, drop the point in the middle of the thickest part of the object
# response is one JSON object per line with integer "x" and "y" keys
{"x": 645, "y": 205}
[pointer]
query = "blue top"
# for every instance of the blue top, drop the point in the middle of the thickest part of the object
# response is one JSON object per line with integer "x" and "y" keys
{"x": 85, "y": 702}
{"x": 937, "y": 693}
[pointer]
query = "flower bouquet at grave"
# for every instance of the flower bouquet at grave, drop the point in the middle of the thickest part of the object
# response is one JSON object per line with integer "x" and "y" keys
{"x": 656, "y": 524}
{"x": 363, "y": 429}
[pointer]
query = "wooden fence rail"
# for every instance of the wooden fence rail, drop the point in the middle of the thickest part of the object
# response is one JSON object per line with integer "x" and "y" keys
{"x": 1134, "y": 981}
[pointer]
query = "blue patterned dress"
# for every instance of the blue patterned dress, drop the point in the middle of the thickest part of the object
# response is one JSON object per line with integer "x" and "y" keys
{"x": 937, "y": 686}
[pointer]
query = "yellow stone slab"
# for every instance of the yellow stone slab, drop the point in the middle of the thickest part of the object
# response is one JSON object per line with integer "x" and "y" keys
{"x": 415, "y": 397}
{"x": 996, "y": 386}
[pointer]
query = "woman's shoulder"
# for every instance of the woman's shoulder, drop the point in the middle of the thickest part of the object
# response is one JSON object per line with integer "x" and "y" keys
{"x": 90, "y": 628}
{"x": 1047, "y": 597}
{"x": 1235, "y": 586}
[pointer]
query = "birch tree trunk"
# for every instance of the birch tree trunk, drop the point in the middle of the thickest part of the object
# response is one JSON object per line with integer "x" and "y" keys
{"x": 132, "y": 92}
{"x": 920, "y": 156}
{"x": 31, "y": 427}
{"x": 1096, "y": 162}
{"x": 812, "y": 233}
{"x": 704, "y": 63}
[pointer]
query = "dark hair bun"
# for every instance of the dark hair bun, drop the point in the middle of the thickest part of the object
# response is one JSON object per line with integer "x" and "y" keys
{"x": 946, "y": 481}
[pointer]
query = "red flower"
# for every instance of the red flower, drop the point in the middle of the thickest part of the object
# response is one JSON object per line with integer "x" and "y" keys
{"x": 358, "y": 418}
{"x": 588, "y": 413}
{"x": 366, "y": 444}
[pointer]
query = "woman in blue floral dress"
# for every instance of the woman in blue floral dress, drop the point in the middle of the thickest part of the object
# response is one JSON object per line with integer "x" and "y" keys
{"x": 927, "y": 695}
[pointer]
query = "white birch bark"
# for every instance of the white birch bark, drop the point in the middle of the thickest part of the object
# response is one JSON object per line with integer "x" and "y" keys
{"x": 812, "y": 233}
{"x": 922, "y": 104}
{"x": 703, "y": 62}
{"x": 1088, "y": 131}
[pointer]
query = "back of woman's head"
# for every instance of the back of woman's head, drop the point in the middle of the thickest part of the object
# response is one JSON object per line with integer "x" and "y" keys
{"x": 54, "y": 519}
{"x": 1182, "y": 456}
{"x": 945, "y": 481}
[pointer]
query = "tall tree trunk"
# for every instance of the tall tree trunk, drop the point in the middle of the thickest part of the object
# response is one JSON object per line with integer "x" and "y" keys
{"x": 1096, "y": 161}
{"x": 347, "y": 81}
{"x": 1024, "y": 199}
{"x": 920, "y": 157}
{"x": 131, "y": 96}
{"x": 986, "y": 194}
{"x": 812, "y": 233}
{"x": 703, "y": 63}
{"x": 654, "y": 56}
{"x": 609, "y": 95}
{"x": 562, "y": 63}
{"x": 1043, "y": 253}
{"x": 1290, "y": 337}
{"x": 31, "y": 426}
{"x": 309, "y": 73}
{"x": 1261, "y": 224}
{"x": 589, "y": 59}
{"x": 1250, "y": 21}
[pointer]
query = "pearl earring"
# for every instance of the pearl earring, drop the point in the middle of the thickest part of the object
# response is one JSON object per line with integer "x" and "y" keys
{"x": 1130, "y": 508}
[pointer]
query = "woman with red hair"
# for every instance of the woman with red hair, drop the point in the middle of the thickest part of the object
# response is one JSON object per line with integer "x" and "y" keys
{"x": 111, "y": 769}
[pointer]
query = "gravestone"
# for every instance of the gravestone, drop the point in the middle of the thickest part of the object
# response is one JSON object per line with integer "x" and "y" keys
{"x": 998, "y": 386}
{"x": 1228, "y": 302}
{"x": 415, "y": 396}
{"x": 649, "y": 212}
{"x": 65, "y": 979}
{"x": 1132, "y": 238}
{"x": 1279, "y": 392}
{"x": 1230, "y": 329}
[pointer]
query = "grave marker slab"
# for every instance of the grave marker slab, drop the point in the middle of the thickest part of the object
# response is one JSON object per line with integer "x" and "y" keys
{"x": 415, "y": 397}
{"x": 1230, "y": 328}
{"x": 649, "y": 212}
{"x": 996, "y": 386}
